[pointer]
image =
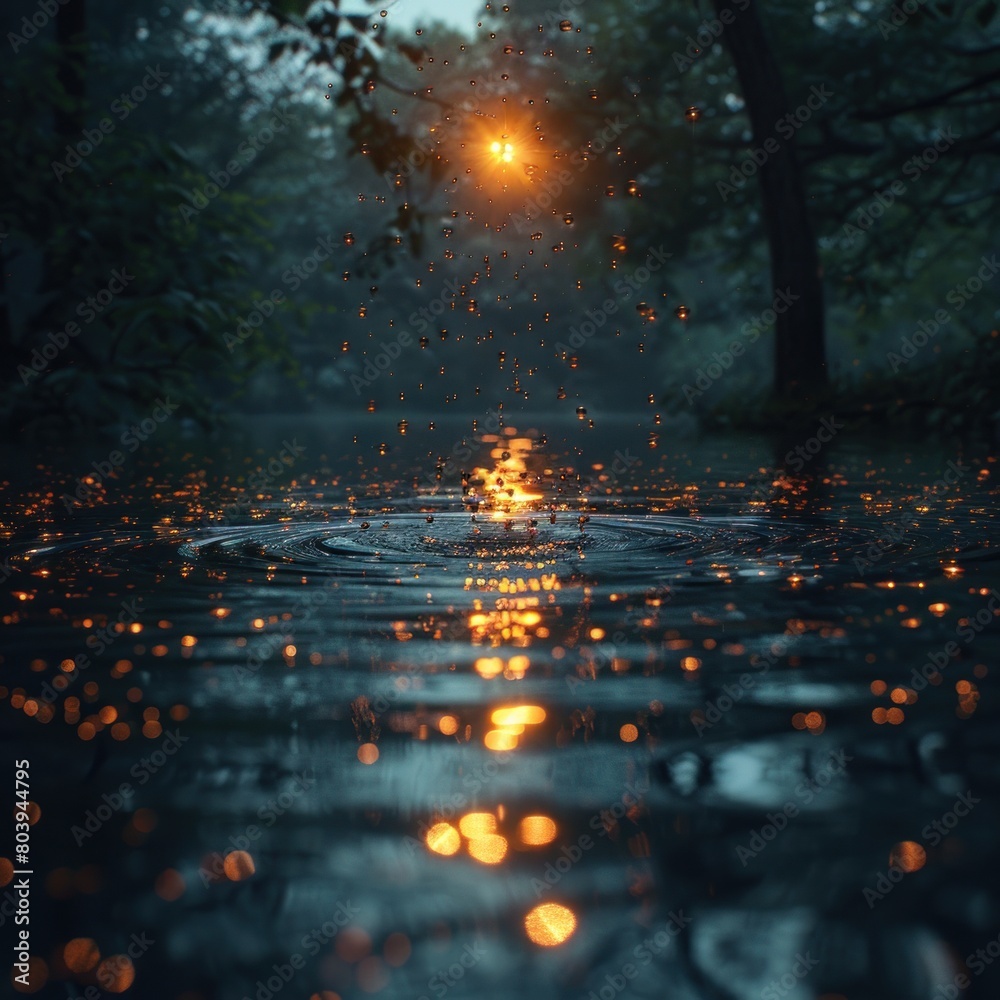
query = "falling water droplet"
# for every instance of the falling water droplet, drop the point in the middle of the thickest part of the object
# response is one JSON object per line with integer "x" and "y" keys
{"x": 682, "y": 312}
{"x": 692, "y": 114}
{"x": 565, "y": 25}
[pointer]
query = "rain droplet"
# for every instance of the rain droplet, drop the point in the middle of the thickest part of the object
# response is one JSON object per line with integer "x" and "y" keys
{"x": 682, "y": 312}
{"x": 349, "y": 239}
{"x": 632, "y": 189}
{"x": 565, "y": 25}
{"x": 581, "y": 412}
{"x": 692, "y": 114}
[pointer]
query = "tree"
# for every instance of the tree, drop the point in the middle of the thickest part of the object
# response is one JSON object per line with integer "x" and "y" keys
{"x": 799, "y": 348}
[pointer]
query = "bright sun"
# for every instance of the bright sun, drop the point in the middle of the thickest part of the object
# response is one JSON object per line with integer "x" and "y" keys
{"x": 503, "y": 151}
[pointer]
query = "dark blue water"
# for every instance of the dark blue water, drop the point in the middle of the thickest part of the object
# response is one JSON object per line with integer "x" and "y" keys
{"x": 701, "y": 722}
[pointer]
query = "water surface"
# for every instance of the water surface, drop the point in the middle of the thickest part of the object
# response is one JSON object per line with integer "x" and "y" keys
{"x": 349, "y": 728}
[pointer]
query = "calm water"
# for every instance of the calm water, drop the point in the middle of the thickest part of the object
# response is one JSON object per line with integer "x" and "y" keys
{"x": 701, "y": 723}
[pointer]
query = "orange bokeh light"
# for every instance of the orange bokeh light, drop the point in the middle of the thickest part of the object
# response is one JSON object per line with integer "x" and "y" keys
{"x": 550, "y": 924}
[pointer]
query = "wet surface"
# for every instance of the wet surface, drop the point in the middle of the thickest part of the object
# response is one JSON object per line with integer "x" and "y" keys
{"x": 695, "y": 728}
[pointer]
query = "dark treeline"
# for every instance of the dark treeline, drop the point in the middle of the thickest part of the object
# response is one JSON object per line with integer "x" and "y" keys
{"x": 254, "y": 206}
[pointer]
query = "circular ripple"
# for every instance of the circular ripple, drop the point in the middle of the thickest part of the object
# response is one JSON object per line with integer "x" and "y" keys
{"x": 402, "y": 543}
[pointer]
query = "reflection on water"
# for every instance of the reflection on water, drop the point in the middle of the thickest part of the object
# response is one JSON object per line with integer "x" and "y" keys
{"x": 723, "y": 733}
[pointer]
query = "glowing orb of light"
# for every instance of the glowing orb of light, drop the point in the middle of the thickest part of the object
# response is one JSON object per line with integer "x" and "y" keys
{"x": 503, "y": 151}
{"x": 549, "y": 924}
{"x": 443, "y": 838}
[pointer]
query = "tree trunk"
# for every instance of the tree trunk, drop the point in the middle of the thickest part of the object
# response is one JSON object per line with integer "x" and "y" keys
{"x": 800, "y": 355}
